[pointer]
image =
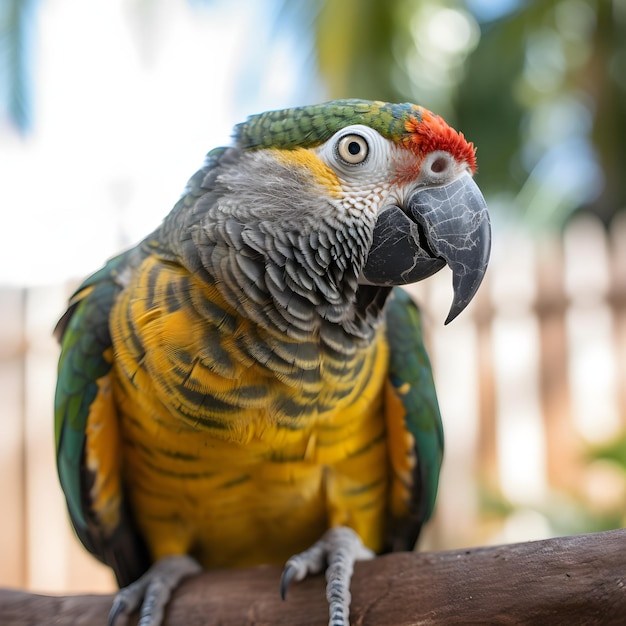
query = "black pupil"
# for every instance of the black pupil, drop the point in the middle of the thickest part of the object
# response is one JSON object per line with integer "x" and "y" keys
{"x": 354, "y": 148}
{"x": 438, "y": 166}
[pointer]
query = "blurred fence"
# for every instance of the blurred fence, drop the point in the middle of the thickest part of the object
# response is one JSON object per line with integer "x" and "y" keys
{"x": 530, "y": 379}
{"x": 531, "y": 375}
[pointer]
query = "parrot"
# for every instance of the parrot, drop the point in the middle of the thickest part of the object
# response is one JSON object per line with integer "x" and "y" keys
{"x": 249, "y": 384}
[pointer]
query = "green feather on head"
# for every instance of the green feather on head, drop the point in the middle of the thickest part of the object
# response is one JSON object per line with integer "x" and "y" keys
{"x": 309, "y": 126}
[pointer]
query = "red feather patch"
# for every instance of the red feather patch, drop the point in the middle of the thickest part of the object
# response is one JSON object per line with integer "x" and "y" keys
{"x": 432, "y": 133}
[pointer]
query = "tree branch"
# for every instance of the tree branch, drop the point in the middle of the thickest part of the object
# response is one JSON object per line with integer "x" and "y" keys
{"x": 567, "y": 580}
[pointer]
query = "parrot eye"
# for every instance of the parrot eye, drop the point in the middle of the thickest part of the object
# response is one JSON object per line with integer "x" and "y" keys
{"x": 352, "y": 149}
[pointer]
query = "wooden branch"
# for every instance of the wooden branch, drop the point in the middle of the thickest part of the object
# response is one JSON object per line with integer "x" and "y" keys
{"x": 568, "y": 580}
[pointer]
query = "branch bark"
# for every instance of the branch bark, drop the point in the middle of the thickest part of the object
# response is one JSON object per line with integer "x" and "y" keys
{"x": 567, "y": 580}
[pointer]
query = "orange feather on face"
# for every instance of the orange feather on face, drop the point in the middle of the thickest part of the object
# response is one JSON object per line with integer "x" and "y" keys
{"x": 433, "y": 133}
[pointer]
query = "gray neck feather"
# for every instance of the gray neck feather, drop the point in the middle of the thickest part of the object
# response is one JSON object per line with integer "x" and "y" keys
{"x": 277, "y": 249}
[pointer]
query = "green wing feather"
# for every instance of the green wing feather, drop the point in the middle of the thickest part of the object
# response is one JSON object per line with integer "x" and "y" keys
{"x": 410, "y": 375}
{"x": 85, "y": 339}
{"x": 84, "y": 335}
{"x": 81, "y": 365}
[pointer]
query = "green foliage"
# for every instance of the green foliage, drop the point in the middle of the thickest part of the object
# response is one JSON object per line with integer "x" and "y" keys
{"x": 558, "y": 514}
{"x": 487, "y": 109}
{"x": 613, "y": 451}
{"x": 399, "y": 50}
{"x": 355, "y": 48}
{"x": 541, "y": 90}
{"x": 551, "y": 137}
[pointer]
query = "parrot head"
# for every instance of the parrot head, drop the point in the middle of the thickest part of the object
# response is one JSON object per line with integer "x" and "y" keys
{"x": 329, "y": 205}
{"x": 397, "y": 177}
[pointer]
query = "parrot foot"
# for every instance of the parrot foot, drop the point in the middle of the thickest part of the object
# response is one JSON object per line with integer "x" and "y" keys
{"x": 152, "y": 591}
{"x": 336, "y": 552}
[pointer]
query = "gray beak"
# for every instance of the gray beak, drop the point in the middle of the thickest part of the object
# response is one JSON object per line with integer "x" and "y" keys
{"x": 440, "y": 225}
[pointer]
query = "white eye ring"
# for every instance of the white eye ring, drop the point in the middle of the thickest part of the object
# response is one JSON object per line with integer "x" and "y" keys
{"x": 352, "y": 149}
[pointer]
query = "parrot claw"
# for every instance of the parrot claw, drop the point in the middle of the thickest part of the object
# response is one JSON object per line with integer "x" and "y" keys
{"x": 289, "y": 573}
{"x": 336, "y": 552}
{"x": 152, "y": 591}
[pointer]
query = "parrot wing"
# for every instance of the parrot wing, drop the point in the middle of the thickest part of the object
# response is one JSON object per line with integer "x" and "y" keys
{"x": 88, "y": 442}
{"x": 87, "y": 438}
{"x": 414, "y": 423}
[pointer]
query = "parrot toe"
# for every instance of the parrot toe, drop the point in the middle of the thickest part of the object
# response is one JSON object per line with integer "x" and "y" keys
{"x": 336, "y": 552}
{"x": 152, "y": 591}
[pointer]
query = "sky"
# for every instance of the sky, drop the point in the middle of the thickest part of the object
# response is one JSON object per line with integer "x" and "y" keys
{"x": 123, "y": 116}
{"x": 488, "y": 10}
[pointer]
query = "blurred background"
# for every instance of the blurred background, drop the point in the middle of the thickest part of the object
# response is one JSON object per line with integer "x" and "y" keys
{"x": 107, "y": 107}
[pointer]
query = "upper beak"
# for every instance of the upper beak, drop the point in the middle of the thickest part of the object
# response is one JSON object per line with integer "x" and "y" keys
{"x": 447, "y": 224}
